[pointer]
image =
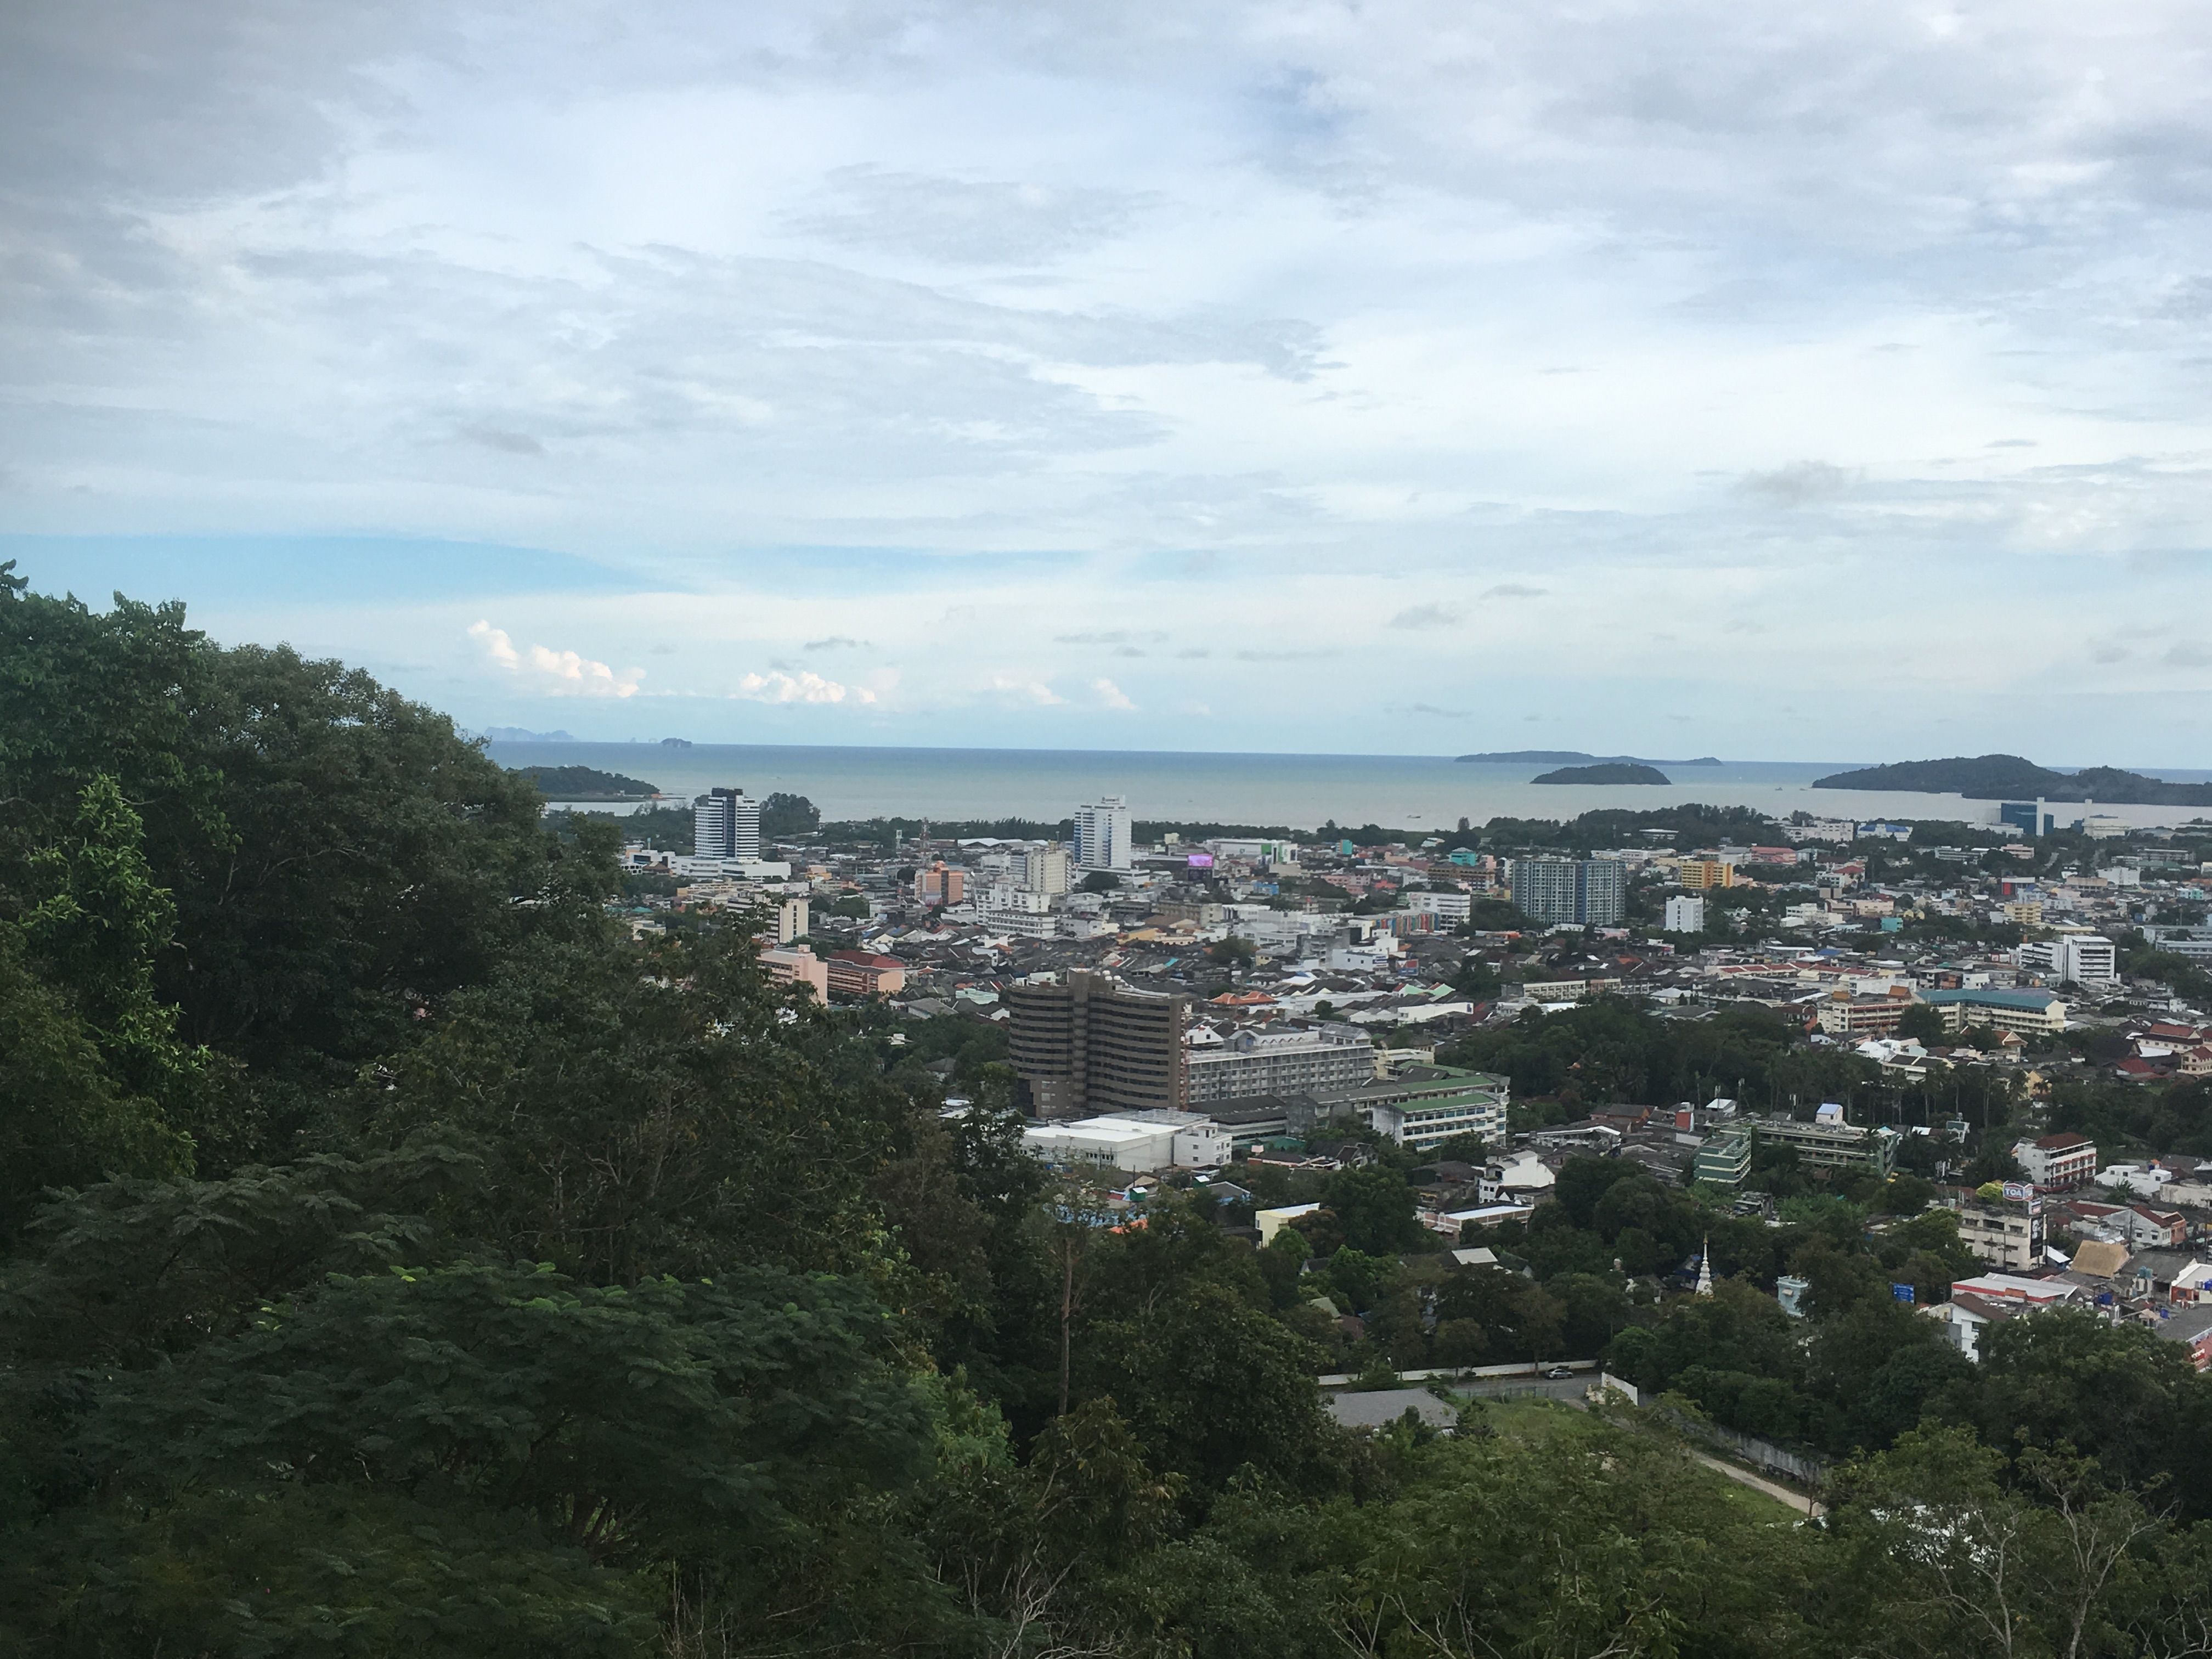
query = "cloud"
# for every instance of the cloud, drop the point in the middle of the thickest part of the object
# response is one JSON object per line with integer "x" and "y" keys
{"x": 1801, "y": 484}
{"x": 1118, "y": 636}
{"x": 556, "y": 673}
{"x": 2188, "y": 654}
{"x": 1111, "y": 695}
{"x": 1514, "y": 591}
{"x": 1026, "y": 690}
{"x": 1447, "y": 713}
{"x": 1426, "y": 615}
{"x": 835, "y": 642}
{"x": 1281, "y": 656}
{"x": 802, "y": 687}
{"x": 507, "y": 443}
{"x": 966, "y": 222}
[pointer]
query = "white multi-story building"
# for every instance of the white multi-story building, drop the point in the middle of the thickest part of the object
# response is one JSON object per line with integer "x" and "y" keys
{"x": 1043, "y": 869}
{"x": 1686, "y": 915}
{"x": 726, "y": 824}
{"x": 2057, "y": 1162}
{"x": 1444, "y": 907}
{"x": 2088, "y": 958}
{"x": 1103, "y": 834}
{"x": 1269, "y": 1061}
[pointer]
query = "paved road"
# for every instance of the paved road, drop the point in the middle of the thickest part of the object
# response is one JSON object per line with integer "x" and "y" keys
{"x": 1796, "y": 1500}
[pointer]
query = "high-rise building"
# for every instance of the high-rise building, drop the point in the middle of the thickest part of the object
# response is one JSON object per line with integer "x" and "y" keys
{"x": 1587, "y": 892}
{"x": 726, "y": 824}
{"x": 1686, "y": 914}
{"x": 1041, "y": 869}
{"x": 1086, "y": 1045}
{"x": 1103, "y": 834}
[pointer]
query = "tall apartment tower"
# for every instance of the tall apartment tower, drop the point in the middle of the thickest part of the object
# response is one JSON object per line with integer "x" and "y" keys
{"x": 726, "y": 824}
{"x": 1101, "y": 833}
{"x": 1042, "y": 870}
{"x": 1590, "y": 892}
{"x": 1086, "y": 1047}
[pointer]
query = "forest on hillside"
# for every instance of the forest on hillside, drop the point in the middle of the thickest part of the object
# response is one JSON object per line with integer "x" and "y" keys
{"x": 396, "y": 1258}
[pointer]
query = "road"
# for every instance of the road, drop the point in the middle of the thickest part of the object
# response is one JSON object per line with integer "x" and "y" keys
{"x": 1796, "y": 1500}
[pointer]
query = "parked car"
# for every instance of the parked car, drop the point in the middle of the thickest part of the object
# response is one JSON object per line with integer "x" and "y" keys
{"x": 1558, "y": 1374}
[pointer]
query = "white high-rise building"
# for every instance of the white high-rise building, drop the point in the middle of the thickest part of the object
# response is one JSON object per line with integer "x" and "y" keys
{"x": 1041, "y": 869}
{"x": 1686, "y": 915}
{"x": 1103, "y": 834}
{"x": 726, "y": 824}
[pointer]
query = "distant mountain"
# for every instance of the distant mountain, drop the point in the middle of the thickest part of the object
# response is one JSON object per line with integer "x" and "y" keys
{"x": 1573, "y": 757}
{"x": 676, "y": 743}
{"x": 1606, "y": 772}
{"x": 520, "y": 735}
{"x": 2012, "y": 777}
{"x": 585, "y": 783}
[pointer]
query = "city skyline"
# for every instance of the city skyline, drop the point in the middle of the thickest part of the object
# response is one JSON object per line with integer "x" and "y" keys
{"x": 1803, "y": 387}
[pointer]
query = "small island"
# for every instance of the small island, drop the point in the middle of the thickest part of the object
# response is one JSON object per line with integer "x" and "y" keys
{"x": 1606, "y": 772}
{"x": 584, "y": 783}
{"x": 1574, "y": 757}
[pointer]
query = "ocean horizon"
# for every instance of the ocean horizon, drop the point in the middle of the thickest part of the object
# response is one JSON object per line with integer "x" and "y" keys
{"x": 1428, "y": 792}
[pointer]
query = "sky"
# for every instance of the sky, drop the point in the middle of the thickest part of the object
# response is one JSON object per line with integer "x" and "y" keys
{"x": 1407, "y": 376}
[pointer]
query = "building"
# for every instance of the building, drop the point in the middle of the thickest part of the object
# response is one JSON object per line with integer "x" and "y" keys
{"x": 2192, "y": 1328}
{"x": 2001, "y": 1236}
{"x": 798, "y": 965}
{"x": 2058, "y": 1163}
{"x": 726, "y": 824}
{"x": 1725, "y": 1159}
{"x": 791, "y": 920}
{"x": 1424, "y": 1106}
{"x": 2028, "y": 817}
{"x": 1832, "y": 1144}
{"x": 2031, "y": 1013}
{"x": 1041, "y": 869}
{"x": 1103, "y": 834}
{"x": 1444, "y": 907}
{"x": 1085, "y": 1044}
{"x": 1556, "y": 892}
{"x": 1706, "y": 873}
{"x": 2089, "y": 958}
{"x": 1278, "y": 1059}
{"x": 863, "y": 973}
{"x": 1845, "y": 1015}
{"x": 940, "y": 884}
{"x": 1686, "y": 914}
{"x": 1139, "y": 1142}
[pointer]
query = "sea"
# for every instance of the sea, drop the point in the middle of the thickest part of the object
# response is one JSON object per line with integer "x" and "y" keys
{"x": 1298, "y": 792}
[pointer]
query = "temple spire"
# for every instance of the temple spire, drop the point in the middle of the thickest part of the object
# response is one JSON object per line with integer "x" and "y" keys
{"x": 1705, "y": 1267}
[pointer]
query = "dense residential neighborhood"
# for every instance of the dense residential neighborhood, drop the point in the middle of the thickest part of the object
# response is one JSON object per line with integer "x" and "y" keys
{"x": 1992, "y": 1041}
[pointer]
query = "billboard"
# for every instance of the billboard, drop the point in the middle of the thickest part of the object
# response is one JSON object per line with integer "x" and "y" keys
{"x": 2018, "y": 1192}
{"x": 1200, "y": 861}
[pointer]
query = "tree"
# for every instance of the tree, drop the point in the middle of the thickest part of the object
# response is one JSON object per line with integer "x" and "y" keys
{"x": 1921, "y": 1023}
{"x": 1375, "y": 1208}
{"x": 788, "y": 817}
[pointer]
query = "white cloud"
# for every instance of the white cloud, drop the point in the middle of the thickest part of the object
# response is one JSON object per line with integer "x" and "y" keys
{"x": 1228, "y": 324}
{"x": 1111, "y": 695}
{"x": 556, "y": 673}
{"x": 1026, "y": 690}
{"x": 805, "y": 686}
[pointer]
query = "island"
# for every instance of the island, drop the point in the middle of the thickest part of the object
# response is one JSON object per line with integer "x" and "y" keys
{"x": 1575, "y": 757}
{"x": 584, "y": 783}
{"x": 2013, "y": 777}
{"x": 1606, "y": 772}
